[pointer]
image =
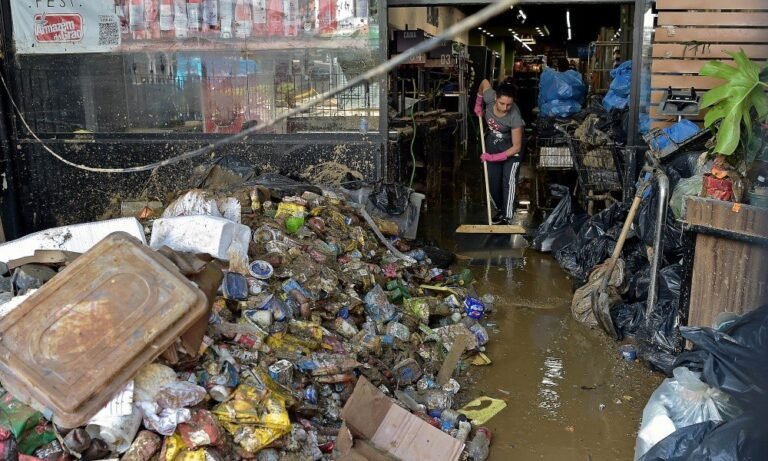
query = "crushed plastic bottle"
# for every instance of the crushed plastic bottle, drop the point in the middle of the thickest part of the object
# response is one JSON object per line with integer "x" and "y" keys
{"x": 479, "y": 446}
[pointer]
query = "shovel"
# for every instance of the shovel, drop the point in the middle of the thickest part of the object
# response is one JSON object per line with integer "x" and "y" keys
{"x": 602, "y": 298}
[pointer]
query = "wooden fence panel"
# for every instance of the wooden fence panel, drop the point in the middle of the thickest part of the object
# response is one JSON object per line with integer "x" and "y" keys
{"x": 691, "y": 32}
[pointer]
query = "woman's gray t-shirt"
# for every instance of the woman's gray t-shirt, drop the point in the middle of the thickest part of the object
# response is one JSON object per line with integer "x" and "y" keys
{"x": 499, "y": 135}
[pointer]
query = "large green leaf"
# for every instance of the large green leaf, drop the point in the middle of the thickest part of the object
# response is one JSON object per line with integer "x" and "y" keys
{"x": 731, "y": 103}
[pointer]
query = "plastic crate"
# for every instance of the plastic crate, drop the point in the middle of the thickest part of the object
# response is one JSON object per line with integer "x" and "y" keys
{"x": 554, "y": 153}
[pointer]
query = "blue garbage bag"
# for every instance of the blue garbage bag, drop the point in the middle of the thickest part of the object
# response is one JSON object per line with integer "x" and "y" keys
{"x": 617, "y": 97}
{"x": 563, "y": 86}
{"x": 612, "y": 101}
{"x": 559, "y": 108}
{"x": 622, "y": 79}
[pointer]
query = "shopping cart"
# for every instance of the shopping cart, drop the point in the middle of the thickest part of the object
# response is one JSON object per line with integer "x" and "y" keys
{"x": 552, "y": 154}
{"x": 598, "y": 167}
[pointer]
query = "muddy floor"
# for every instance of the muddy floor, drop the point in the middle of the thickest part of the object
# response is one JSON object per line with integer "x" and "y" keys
{"x": 569, "y": 394}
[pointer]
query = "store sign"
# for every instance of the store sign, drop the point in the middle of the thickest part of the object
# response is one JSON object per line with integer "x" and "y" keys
{"x": 65, "y": 26}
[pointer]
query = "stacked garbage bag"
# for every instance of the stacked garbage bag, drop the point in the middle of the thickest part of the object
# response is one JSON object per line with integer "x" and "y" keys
{"x": 561, "y": 94}
{"x": 295, "y": 304}
{"x": 713, "y": 408}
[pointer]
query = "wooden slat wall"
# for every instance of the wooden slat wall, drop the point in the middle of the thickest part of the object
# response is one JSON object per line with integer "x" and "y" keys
{"x": 691, "y": 32}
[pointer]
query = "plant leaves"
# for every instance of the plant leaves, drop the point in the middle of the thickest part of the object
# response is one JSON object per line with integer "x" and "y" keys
{"x": 718, "y": 69}
{"x": 731, "y": 103}
{"x": 729, "y": 133}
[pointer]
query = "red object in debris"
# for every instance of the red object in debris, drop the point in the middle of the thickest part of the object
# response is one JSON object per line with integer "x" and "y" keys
{"x": 326, "y": 447}
{"x": 720, "y": 189}
{"x": 201, "y": 430}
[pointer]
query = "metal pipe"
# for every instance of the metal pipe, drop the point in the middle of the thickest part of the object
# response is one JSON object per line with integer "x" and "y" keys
{"x": 658, "y": 240}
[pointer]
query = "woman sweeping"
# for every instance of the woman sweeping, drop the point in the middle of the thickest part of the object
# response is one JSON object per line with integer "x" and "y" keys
{"x": 503, "y": 143}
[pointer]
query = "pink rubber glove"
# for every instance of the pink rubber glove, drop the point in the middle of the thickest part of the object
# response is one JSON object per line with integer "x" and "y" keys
{"x": 500, "y": 157}
{"x": 479, "y": 106}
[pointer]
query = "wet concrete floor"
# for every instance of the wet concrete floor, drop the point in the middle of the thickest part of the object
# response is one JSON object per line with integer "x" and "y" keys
{"x": 569, "y": 394}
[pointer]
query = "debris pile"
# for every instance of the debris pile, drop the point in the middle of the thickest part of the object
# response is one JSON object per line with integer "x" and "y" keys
{"x": 307, "y": 306}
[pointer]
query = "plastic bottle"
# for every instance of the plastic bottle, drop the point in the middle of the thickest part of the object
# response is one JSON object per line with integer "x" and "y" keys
{"x": 226, "y": 16}
{"x": 452, "y": 417}
{"x": 117, "y": 431}
{"x": 478, "y": 447}
{"x": 194, "y": 16}
{"x": 243, "y": 19}
{"x": 275, "y": 18}
{"x": 463, "y": 431}
{"x": 211, "y": 16}
{"x": 259, "y": 17}
{"x": 345, "y": 328}
{"x": 291, "y": 18}
{"x": 136, "y": 20}
{"x": 180, "y": 18}
{"x": 326, "y": 17}
{"x": 480, "y": 333}
{"x": 409, "y": 402}
{"x": 166, "y": 18}
{"x": 151, "y": 13}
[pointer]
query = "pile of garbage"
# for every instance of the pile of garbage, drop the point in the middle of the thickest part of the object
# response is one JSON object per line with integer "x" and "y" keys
{"x": 261, "y": 323}
{"x": 714, "y": 405}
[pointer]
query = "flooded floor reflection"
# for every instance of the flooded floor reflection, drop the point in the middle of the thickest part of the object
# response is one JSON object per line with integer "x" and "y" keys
{"x": 570, "y": 396}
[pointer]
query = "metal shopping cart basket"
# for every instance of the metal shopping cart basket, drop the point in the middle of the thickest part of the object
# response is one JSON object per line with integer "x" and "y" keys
{"x": 599, "y": 169}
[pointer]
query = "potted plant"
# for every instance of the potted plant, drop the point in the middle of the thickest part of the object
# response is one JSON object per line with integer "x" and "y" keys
{"x": 734, "y": 107}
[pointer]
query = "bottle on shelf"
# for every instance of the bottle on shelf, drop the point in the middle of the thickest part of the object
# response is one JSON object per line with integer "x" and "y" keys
{"x": 243, "y": 21}
{"x": 226, "y": 15}
{"x": 211, "y": 17}
{"x": 194, "y": 16}
{"x": 275, "y": 22}
{"x": 166, "y": 18}
{"x": 180, "y": 18}
{"x": 291, "y": 18}
{"x": 259, "y": 17}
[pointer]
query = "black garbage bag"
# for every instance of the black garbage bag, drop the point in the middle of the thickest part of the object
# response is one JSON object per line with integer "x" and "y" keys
{"x": 564, "y": 221}
{"x": 223, "y": 173}
{"x": 391, "y": 198}
{"x": 733, "y": 360}
{"x": 565, "y": 255}
{"x": 637, "y": 284}
{"x": 645, "y": 225}
{"x": 602, "y": 222}
{"x": 659, "y": 337}
{"x": 741, "y": 439}
{"x": 628, "y": 318}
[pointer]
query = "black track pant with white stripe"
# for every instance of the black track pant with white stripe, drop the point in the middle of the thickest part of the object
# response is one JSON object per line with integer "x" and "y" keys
{"x": 502, "y": 180}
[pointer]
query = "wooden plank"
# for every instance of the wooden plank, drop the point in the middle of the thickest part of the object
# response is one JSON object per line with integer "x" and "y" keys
{"x": 728, "y": 275}
{"x": 710, "y": 35}
{"x": 713, "y": 18}
{"x": 486, "y": 229}
{"x": 743, "y": 219}
{"x": 711, "y": 5}
{"x": 684, "y": 81}
{"x": 661, "y": 123}
{"x": 676, "y": 50}
{"x": 681, "y": 66}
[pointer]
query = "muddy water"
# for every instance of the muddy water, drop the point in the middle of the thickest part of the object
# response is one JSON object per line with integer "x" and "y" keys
{"x": 569, "y": 394}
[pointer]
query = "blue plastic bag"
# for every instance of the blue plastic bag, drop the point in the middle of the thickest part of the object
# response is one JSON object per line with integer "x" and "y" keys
{"x": 558, "y": 108}
{"x": 622, "y": 79}
{"x": 563, "y": 86}
{"x": 612, "y": 101}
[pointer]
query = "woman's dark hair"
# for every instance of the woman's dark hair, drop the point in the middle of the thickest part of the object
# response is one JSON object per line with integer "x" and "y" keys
{"x": 508, "y": 89}
{"x": 562, "y": 65}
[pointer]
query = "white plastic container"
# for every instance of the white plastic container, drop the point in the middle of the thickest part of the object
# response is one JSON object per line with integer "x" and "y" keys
{"x": 199, "y": 234}
{"x": 77, "y": 237}
{"x": 408, "y": 222}
{"x": 117, "y": 431}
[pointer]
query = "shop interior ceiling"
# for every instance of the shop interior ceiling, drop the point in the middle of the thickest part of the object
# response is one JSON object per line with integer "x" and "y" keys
{"x": 586, "y": 21}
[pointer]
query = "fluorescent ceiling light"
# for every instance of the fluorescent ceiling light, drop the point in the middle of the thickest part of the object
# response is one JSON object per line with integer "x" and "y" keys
{"x": 527, "y": 47}
{"x": 569, "y": 33}
{"x": 568, "y": 18}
